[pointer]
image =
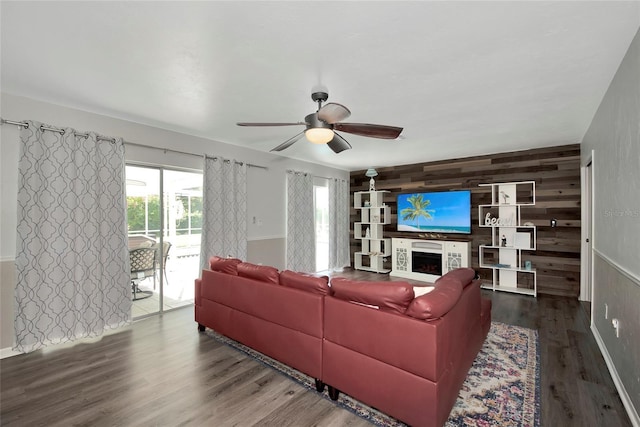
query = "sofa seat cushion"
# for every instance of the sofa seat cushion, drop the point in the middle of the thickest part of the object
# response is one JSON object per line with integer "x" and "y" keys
{"x": 464, "y": 275}
{"x": 261, "y": 273}
{"x": 224, "y": 265}
{"x": 306, "y": 282}
{"x": 438, "y": 302}
{"x": 386, "y": 296}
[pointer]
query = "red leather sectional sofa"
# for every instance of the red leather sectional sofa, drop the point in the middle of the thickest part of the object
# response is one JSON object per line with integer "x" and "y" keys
{"x": 265, "y": 310}
{"x": 406, "y": 356}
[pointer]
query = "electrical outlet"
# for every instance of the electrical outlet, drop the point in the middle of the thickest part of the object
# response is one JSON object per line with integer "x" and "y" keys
{"x": 616, "y": 326}
{"x": 606, "y": 311}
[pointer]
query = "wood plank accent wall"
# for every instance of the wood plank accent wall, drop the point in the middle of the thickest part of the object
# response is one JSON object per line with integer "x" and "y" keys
{"x": 556, "y": 171}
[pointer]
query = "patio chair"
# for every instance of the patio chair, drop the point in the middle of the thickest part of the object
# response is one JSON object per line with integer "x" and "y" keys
{"x": 143, "y": 265}
{"x": 165, "y": 254}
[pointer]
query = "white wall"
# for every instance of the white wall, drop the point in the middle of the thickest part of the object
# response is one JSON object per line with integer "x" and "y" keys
{"x": 265, "y": 188}
{"x": 614, "y": 138}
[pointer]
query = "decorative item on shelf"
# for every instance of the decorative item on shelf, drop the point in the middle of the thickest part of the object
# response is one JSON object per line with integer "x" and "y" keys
{"x": 372, "y": 183}
{"x": 500, "y": 222}
{"x": 527, "y": 265}
{"x": 367, "y": 233}
{"x": 503, "y": 242}
{"x": 367, "y": 203}
{"x": 505, "y": 198}
{"x": 431, "y": 236}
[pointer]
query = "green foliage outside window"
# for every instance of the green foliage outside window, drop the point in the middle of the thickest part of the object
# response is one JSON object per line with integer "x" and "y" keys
{"x": 136, "y": 213}
{"x": 196, "y": 214}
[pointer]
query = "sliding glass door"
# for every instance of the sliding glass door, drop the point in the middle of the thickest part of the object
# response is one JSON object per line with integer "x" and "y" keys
{"x": 164, "y": 209}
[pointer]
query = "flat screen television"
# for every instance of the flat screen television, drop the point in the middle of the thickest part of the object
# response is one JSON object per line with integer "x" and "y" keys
{"x": 435, "y": 212}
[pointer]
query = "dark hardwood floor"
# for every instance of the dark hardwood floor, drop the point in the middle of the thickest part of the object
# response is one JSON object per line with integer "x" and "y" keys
{"x": 575, "y": 384}
{"x": 162, "y": 372}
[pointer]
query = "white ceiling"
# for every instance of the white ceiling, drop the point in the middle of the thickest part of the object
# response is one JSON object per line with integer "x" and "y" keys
{"x": 462, "y": 78}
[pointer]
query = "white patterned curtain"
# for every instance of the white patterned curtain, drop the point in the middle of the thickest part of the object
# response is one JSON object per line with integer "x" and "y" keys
{"x": 71, "y": 258}
{"x": 301, "y": 245}
{"x": 224, "y": 222}
{"x": 339, "y": 255}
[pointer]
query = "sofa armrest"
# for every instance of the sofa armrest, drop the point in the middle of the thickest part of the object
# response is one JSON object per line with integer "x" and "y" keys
{"x": 436, "y": 303}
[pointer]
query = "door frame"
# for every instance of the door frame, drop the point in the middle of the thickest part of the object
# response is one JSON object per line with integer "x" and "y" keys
{"x": 161, "y": 171}
{"x": 586, "y": 242}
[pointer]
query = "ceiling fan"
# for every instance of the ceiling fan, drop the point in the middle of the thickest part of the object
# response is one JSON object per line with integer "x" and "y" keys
{"x": 322, "y": 125}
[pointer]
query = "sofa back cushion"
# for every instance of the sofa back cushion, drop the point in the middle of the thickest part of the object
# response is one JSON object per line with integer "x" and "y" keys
{"x": 224, "y": 265}
{"x": 237, "y": 303}
{"x": 261, "y": 273}
{"x": 306, "y": 282}
{"x": 464, "y": 275}
{"x": 387, "y": 296}
{"x": 438, "y": 302}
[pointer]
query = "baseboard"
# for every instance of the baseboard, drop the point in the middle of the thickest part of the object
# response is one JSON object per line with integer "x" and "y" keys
{"x": 624, "y": 396}
{"x": 8, "y": 352}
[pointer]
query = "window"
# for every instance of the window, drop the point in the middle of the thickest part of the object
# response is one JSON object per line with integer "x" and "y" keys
{"x": 321, "y": 221}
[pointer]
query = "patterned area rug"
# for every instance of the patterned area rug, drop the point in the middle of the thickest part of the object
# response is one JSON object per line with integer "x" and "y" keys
{"x": 501, "y": 389}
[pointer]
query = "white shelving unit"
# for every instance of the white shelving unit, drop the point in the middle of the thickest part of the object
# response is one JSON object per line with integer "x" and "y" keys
{"x": 510, "y": 237}
{"x": 374, "y": 214}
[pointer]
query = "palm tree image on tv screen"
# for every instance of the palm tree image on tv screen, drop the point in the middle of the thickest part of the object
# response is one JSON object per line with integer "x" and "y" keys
{"x": 435, "y": 212}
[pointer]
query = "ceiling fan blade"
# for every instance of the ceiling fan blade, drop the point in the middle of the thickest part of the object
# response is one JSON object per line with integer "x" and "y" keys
{"x": 366, "y": 129}
{"x": 268, "y": 124}
{"x": 288, "y": 143}
{"x": 338, "y": 143}
{"x": 333, "y": 113}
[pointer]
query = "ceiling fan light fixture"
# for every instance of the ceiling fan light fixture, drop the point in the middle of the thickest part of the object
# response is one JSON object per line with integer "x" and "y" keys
{"x": 321, "y": 124}
{"x": 319, "y": 135}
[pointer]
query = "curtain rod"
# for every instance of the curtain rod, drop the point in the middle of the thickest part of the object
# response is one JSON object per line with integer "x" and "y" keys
{"x": 295, "y": 172}
{"x": 103, "y": 138}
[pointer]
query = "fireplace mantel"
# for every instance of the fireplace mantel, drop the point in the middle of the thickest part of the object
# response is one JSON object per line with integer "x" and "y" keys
{"x": 418, "y": 259}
